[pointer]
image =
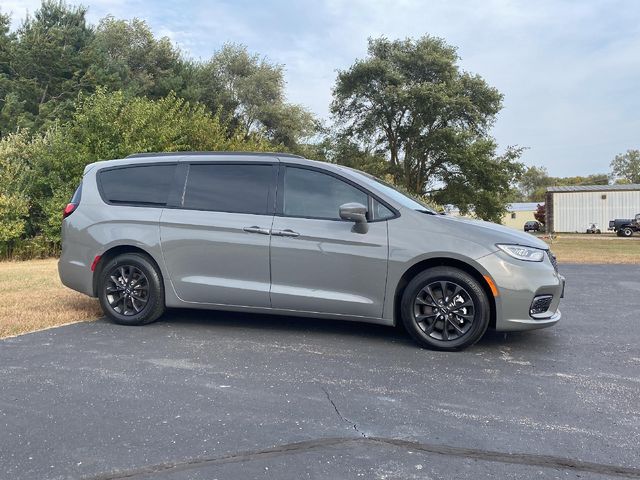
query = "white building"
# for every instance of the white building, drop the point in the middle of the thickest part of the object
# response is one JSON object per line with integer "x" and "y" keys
{"x": 520, "y": 213}
{"x": 574, "y": 208}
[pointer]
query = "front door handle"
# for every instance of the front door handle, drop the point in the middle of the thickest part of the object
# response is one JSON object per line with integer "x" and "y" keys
{"x": 256, "y": 229}
{"x": 285, "y": 233}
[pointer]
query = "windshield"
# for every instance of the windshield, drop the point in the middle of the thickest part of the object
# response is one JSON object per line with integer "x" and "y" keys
{"x": 402, "y": 198}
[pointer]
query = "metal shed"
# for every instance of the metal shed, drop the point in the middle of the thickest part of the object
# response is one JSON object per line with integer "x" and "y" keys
{"x": 573, "y": 208}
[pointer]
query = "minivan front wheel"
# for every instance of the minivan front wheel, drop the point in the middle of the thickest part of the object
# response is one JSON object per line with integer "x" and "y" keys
{"x": 445, "y": 308}
{"x": 130, "y": 290}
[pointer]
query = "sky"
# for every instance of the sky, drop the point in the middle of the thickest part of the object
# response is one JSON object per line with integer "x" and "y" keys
{"x": 569, "y": 70}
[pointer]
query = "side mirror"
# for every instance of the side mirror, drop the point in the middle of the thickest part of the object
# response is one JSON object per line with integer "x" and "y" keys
{"x": 355, "y": 212}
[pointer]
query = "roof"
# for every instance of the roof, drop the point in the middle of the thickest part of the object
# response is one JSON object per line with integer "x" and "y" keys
{"x": 184, "y": 154}
{"x": 177, "y": 157}
{"x": 595, "y": 188}
{"x": 523, "y": 207}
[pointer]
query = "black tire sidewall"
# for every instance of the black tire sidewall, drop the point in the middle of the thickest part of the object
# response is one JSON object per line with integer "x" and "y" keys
{"x": 473, "y": 287}
{"x": 155, "y": 305}
{"x": 627, "y": 232}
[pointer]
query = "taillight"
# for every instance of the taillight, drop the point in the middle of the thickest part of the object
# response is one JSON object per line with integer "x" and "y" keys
{"x": 69, "y": 209}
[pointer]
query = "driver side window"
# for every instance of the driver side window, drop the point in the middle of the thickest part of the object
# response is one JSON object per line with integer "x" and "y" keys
{"x": 313, "y": 194}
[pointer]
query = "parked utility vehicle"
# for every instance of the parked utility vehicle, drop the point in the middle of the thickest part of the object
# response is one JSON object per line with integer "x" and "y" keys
{"x": 625, "y": 227}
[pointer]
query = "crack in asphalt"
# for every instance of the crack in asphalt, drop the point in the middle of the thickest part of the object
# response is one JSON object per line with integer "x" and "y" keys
{"x": 335, "y": 407}
{"x": 528, "y": 459}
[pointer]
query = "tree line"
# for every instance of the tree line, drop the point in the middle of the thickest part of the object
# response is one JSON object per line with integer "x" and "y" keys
{"x": 72, "y": 93}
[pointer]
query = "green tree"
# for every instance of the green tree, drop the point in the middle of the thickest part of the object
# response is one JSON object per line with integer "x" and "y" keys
{"x": 50, "y": 61}
{"x": 626, "y": 166}
{"x": 11, "y": 109}
{"x": 14, "y": 203}
{"x": 432, "y": 119}
{"x": 342, "y": 150}
{"x": 6, "y": 39}
{"x": 112, "y": 125}
{"x": 534, "y": 182}
{"x": 126, "y": 56}
{"x": 249, "y": 91}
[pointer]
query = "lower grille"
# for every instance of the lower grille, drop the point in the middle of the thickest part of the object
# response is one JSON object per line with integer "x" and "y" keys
{"x": 540, "y": 306}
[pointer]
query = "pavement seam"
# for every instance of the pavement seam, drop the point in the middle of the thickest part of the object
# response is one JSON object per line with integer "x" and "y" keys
{"x": 527, "y": 459}
{"x": 240, "y": 457}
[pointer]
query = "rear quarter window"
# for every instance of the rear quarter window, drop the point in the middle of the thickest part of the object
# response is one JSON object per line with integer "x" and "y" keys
{"x": 136, "y": 185}
{"x": 77, "y": 195}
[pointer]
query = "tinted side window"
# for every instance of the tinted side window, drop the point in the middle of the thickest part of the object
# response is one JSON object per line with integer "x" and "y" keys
{"x": 77, "y": 195}
{"x": 308, "y": 193}
{"x": 139, "y": 185}
{"x": 229, "y": 188}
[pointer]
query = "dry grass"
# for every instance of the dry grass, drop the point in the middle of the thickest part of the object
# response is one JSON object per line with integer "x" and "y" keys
{"x": 32, "y": 298}
{"x": 597, "y": 249}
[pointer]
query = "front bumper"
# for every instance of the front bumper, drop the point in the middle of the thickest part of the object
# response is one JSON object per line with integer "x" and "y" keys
{"x": 518, "y": 283}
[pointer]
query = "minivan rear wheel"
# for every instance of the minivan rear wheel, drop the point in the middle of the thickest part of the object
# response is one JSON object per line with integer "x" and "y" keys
{"x": 445, "y": 308}
{"x": 130, "y": 290}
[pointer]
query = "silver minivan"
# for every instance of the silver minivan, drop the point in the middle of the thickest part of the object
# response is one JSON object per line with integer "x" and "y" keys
{"x": 277, "y": 233}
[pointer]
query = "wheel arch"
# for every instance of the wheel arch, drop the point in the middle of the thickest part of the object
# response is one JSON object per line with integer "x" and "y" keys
{"x": 113, "y": 252}
{"x": 425, "y": 264}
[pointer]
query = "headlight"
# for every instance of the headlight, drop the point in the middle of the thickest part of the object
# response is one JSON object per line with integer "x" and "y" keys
{"x": 528, "y": 254}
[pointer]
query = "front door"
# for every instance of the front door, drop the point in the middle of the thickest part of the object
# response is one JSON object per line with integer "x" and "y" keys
{"x": 216, "y": 247}
{"x": 318, "y": 263}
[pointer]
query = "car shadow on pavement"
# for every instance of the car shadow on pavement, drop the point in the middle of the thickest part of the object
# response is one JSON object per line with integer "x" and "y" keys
{"x": 234, "y": 321}
{"x": 278, "y": 323}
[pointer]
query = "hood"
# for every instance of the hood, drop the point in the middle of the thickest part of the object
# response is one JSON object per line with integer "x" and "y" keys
{"x": 489, "y": 232}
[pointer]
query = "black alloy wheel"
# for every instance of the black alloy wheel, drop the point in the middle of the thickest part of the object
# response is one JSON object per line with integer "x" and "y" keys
{"x": 127, "y": 290}
{"x": 131, "y": 290}
{"x": 445, "y": 308}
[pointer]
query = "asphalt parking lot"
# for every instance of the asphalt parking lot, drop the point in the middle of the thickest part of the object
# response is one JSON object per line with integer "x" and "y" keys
{"x": 207, "y": 395}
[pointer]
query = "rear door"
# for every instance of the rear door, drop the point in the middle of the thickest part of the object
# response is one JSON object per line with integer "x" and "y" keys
{"x": 318, "y": 263}
{"x": 216, "y": 244}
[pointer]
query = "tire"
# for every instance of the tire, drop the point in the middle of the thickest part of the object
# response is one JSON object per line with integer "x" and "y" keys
{"x": 430, "y": 321}
{"x": 139, "y": 299}
{"x": 619, "y": 233}
{"x": 627, "y": 232}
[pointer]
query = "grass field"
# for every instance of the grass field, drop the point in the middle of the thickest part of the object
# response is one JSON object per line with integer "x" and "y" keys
{"x": 602, "y": 249}
{"x": 32, "y": 297}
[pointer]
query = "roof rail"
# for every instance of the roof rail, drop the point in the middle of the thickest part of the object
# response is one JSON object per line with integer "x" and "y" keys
{"x": 184, "y": 154}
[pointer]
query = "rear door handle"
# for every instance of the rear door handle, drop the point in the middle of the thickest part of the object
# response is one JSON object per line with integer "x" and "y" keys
{"x": 285, "y": 233}
{"x": 256, "y": 229}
